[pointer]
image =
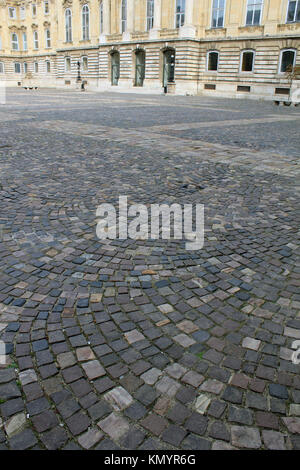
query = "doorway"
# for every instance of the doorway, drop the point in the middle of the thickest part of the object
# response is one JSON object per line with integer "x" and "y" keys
{"x": 168, "y": 67}
{"x": 115, "y": 68}
{"x": 139, "y": 68}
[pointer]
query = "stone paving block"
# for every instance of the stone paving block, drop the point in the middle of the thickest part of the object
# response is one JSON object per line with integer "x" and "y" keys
{"x": 245, "y": 437}
{"x": 202, "y": 403}
{"x": 192, "y": 378}
{"x": 55, "y": 438}
{"x": 90, "y": 438}
{"x": 93, "y": 369}
{"x": 115, "y": 426}
{"x": 84, "y": 354}
{"x": 15, "y": 424}
{"x": 184, "y": 340}
{"x": 23, "y": 440}
{"x": 176, "y": 370}
{"x": 44, "y": 421}
{"x": 66, "y": 359}
{"x": 273, "y": 440}
{"x": 154, "y": 423}
{"x": 134, "y": 336}
{"x": 168, "y": 386}
{"x": 119, "y": 398}
{"x": 212, "y": 386}
{"x": 292, "y": 424}
{"x": 174, "y": 435}
{"x": 78, "y": 423}
{"x": 151, "y": 376}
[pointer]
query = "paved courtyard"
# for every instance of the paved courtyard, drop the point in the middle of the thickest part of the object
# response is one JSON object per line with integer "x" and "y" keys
{"x": 132, "y": 344}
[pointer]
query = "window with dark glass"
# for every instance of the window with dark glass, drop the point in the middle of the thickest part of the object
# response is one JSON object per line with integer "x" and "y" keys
{"x": 287, "y": 60}
{"x": 293, "y": 13}
{"x": 247, "y": 61}
{"x": 213, "y": 61}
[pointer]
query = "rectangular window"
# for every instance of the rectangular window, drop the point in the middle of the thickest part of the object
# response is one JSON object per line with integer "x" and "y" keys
{"x": 14, "y": 42}
{"x": 150, "y": 14}
{"x": 218, "y": 14}
{"x": 12, "y": 13}
{"x": 101, "y": 17}
{"x": 22, "y": 13}
{"x": 24, "y": 38}
{"x": 124, "y": 16}
{"x": 85, "y": 64}
{"x": 46, "y": 8}
{"x": 35, "y": 40}
{"x": 282, "y": 91}
{"x": 212, "y": 61}
{"x": 180, "y": 13}
{"x": 243, "y": 88}
{"x": 67, "y": 64}
{"x": 293, "y": 13}
{"x": 48, "y": 38}
{"x": 247, "y": 61}
{"x": 33, "y": 7}
{"x": 254, "y": 10}
{"x": 17, "y": 67}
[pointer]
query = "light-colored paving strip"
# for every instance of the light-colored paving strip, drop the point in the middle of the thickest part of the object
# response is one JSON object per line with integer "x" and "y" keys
{"x": 201, "y": 150}
{"x": 226, "y": 123}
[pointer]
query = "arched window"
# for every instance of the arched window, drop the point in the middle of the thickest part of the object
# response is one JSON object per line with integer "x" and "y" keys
{"x": 35, "y": 40}
{"x": 85, "y": 22}
{"x": 212, "y": 61}
{"x": 25, "y": 67}
{"x": 287, "y": 60}
{"x": 14, "y": 42}
{"x": 1, "y": 67}
{"x": 17, "y": 67}
{"x": 67, "y": 64}
{"x": 101, "y": 18}
{"x": 247, "y": 61}
{"x": 68, "y": 25}
{"x": 180, "y": 13}
{"x": 150, "y": 14}
{"x": 85, "y": 64}
{"x": 48, "y": 66}
{"x": 48, "y": 38}
{"x": 123, "y": 16}
{"x": 36, "y": 67}
{"x": 24, "y": 38}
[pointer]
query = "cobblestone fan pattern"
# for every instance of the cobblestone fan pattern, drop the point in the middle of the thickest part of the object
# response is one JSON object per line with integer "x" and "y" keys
{"x": 132, "y": 344}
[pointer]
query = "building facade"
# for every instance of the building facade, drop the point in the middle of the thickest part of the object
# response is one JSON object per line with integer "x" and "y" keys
{"x": 215, "y": 47}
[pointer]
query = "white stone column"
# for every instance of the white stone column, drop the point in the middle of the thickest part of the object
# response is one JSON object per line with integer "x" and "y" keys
{"x": 154, "y": 32}
{"x": 106, "y": 21}
{"x": 129, "y": 21}
{"x": 188, "y": 30}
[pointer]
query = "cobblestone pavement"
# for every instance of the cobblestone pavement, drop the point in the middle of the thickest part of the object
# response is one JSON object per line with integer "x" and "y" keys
{"x": 137, "y": 344}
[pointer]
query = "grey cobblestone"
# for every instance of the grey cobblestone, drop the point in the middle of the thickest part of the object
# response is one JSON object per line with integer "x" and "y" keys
{"x": 117, "y": 343}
